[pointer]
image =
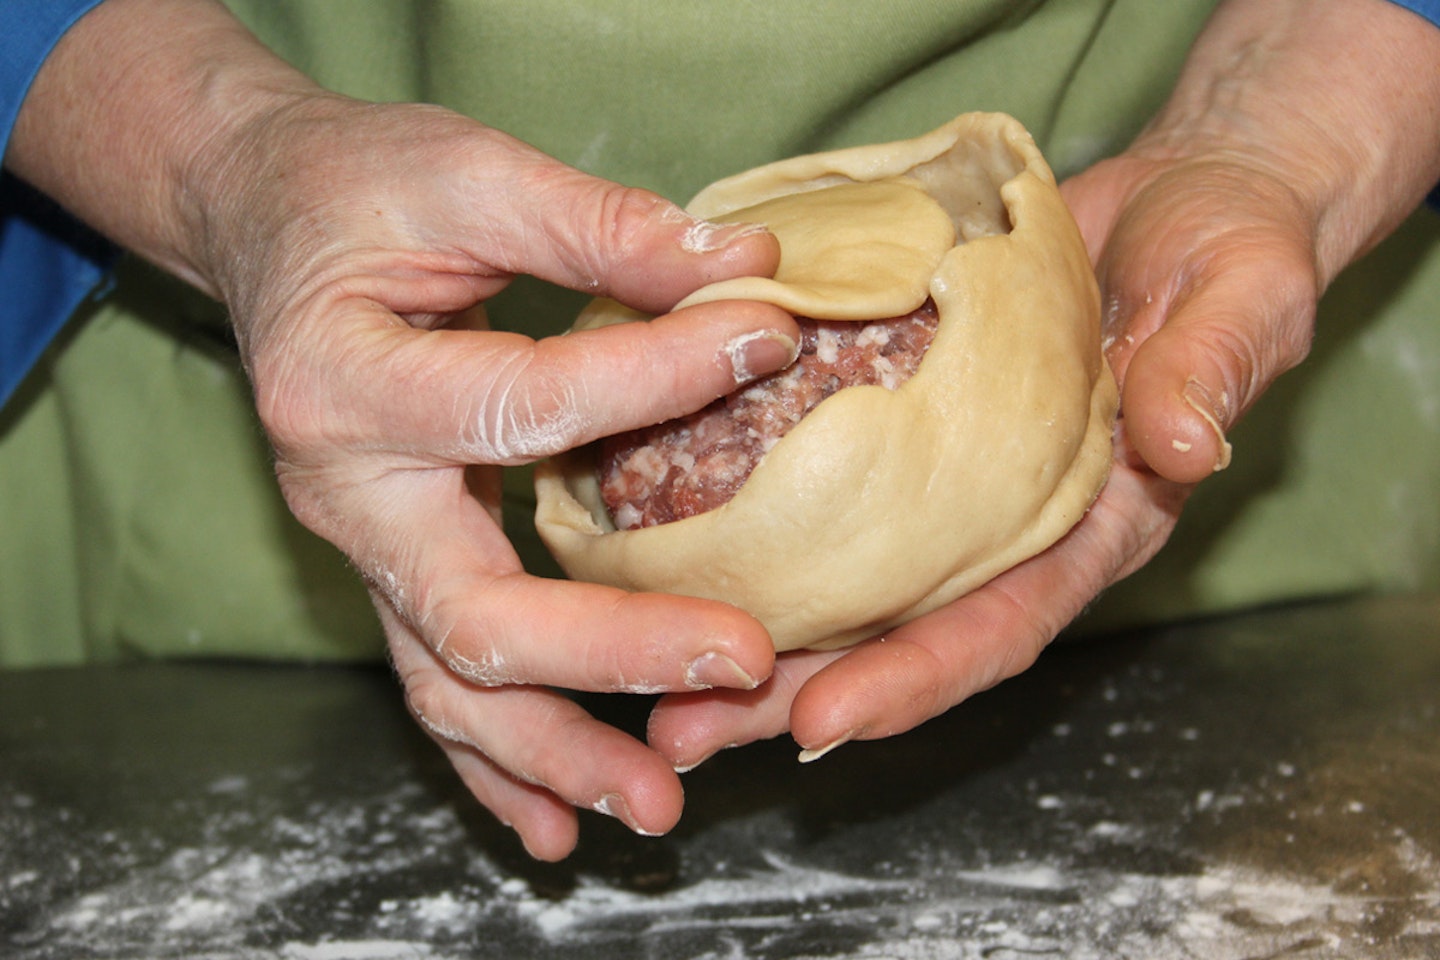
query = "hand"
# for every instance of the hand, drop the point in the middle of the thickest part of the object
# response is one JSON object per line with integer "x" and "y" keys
{"x": 352, "y": 243}
{"x": 1212, "y": 236}
{"x": 1190, "y": 356}
{"x": 353, "y": 254}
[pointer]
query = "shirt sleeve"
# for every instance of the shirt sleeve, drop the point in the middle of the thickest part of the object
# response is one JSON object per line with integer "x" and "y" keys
{"x": 49, "y": 262}
{"x": 1429, "y": 9}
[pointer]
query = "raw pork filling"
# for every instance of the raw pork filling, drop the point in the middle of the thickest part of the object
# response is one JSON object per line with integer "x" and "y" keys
{"x": 687, "y": 466}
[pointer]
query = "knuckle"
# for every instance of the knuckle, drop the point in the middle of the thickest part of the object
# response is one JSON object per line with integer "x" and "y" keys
{"x": 606, "y": 226}
{"x": 285, "y": 409}
{"x": 294, "y": 395}
{"x": 473, "y": 647}
{"x": 1235, "y": 355}
{"x": 1294, "y": 300}
{"x": 310, "y": 501}
{"x": 626, "y": 215}
{"x": 485, "y": 667}
{"x": 1248, "y": 359}
{"x": 1035, "y": 633}
{"x": 427, "y": 699}
{"x": 634, "y": 665}
{"x": 1268, "y": 324}
{"x": 530, "y": 409}
{"x": 544, "y": 754}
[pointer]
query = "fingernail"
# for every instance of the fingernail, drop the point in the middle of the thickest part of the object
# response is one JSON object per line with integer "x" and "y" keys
{"x": 614, "y": 805}
{"x": 759, "y": 353}
{"x": 717, "y": 670}
{"x": 810, "y": 756}
{"x": 702, "y": 236}
{"x": 1214, "y": 411}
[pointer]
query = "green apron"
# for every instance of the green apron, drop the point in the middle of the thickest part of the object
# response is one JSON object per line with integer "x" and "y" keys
{"x": 137, "y": 505}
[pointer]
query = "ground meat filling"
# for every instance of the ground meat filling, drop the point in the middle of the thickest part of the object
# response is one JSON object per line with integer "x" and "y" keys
{"x": 684, "y": 467}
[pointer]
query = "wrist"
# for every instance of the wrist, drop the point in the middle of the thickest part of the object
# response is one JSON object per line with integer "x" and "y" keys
{"x": 1335, "y": 101}
{"x": 219, "y": 219}
{"x": 132, "y": 112}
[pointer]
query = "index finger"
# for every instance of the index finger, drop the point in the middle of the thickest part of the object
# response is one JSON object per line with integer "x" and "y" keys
{"x": 467, "y": 397}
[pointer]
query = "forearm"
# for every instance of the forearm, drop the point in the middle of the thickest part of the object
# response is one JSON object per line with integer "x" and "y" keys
{"x": 129, "y": 121}
{"x": 1340, "y": 99}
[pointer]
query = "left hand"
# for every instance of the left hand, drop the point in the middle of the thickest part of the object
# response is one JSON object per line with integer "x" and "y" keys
{"x": 1190, "y": 357}
{"x": 1212, "y": 237}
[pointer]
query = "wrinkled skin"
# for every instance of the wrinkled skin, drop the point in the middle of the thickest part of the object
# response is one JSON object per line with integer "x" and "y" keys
{"x": 354, "y": 287}
{"x": 390, "y": 425}
{"x": 1297, "y": 138}
{"x": 932, "y": 663}
{"x": 353, "y": 242}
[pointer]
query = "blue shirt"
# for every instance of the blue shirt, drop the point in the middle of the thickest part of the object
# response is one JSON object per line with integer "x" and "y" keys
{"x": 1429, "y": 9}
{"x": 49, "y": 262}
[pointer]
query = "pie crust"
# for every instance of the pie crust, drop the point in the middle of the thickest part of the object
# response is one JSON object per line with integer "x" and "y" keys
{"x": 882, "y": 505}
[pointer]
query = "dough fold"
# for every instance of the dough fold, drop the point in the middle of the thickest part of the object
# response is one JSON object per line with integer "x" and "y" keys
{"x": 882, "y": 505}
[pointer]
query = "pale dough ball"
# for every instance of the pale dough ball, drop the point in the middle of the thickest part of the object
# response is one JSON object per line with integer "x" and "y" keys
{"x": 882, "y": 505}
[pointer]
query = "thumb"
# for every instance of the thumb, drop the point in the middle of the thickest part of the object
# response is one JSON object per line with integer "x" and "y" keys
{"x": 544, "y": 218}
{"x": 1244, "y": 317}
{"x": 1208, "y": 273}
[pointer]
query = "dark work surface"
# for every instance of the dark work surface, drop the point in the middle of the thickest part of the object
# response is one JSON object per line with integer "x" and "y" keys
{"x": 1264, "y": 786}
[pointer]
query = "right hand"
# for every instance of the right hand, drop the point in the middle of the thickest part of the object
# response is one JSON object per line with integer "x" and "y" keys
{"x": 354, "y": 243}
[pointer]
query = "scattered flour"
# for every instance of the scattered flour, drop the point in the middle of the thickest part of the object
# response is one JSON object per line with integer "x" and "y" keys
{"x": 356, "y": 950}
{"x": 400, "y": 876}
{"x": 212, "y": 900}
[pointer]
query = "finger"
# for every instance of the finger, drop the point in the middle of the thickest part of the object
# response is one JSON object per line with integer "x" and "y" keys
{"x": 452, "y": 396}
{"x": 1209, "y": 291}
{"x": 546, "y": 825}
{"x": 920, "y": 670}
{"x": 541, "y": 217}
{"x": 456, "y": 581}
{"x": 539, "y": 738}
{"x": 1242, "y": 321}
{"x": 689, "y": 728}
{"x": 488, "y": 207}
{"x": 524, "y": 629}
{"x": 595, "y": 383}
{"x": 891, "y": 684}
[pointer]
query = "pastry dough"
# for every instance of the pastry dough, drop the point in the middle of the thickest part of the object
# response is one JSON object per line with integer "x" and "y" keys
{"x": 882, "y": 505}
